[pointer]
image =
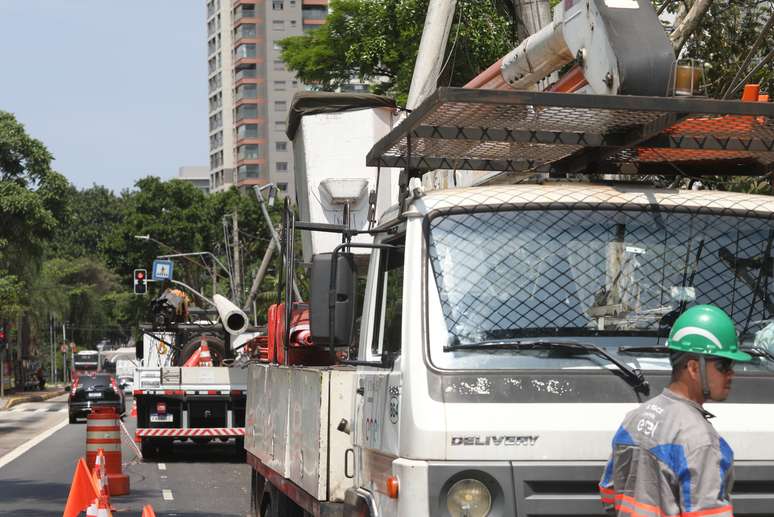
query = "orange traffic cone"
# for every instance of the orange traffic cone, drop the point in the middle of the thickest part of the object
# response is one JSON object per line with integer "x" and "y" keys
{"x": 83, "y": 490}
{"x": 100, "y": 473}
{"x": 99, "y": 508}
{"x": 134, "y": 408}
{"x": 205, "y": 359}
{"x": 147, "y": 511}
{"x": 194, "y": 359}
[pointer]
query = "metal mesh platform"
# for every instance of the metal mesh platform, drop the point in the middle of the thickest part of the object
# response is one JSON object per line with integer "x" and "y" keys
{"x": 527, "y": 132}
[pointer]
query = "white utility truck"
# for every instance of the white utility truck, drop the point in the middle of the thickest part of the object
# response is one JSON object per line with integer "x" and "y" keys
{"x": 180, "y": 394}
{"x": 505, "y": 330}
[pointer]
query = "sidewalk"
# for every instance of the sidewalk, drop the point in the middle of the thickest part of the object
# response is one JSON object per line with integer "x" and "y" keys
{"x": 20, "y": 397}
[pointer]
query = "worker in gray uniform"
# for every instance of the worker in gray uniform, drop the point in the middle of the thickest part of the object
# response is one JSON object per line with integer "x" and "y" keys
{"x": 667, "y": 458}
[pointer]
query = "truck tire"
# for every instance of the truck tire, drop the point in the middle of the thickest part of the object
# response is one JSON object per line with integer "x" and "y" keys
{"x": 282, "y": 506}
{"x": 215, "y": 344}
{"x": 257, "y": 486}
{"x": 148, "y": 449}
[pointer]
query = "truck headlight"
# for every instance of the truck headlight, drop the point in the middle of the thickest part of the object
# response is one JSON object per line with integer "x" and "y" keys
{"x": 469, "y": 498}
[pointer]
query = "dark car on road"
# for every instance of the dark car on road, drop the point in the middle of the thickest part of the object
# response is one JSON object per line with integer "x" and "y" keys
{"x": 92, "y": 390}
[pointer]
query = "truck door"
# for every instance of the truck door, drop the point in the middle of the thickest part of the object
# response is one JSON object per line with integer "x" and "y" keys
{"x": 375, "y": 431}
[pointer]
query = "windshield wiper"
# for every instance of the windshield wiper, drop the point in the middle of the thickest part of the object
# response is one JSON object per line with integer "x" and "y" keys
{"x": 643, "y": 350}
{"x": 757, "y": 351}
{"x": 632, "y": 375}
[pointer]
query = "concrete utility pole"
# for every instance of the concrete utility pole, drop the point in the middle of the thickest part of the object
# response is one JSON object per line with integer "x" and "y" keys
{"x": 432, "y": 47}
{"x": 52, "y": 356}
{"x": 64, "y": 354}
{"x": 237, "y": 272}
{"x": 533, "y": 15}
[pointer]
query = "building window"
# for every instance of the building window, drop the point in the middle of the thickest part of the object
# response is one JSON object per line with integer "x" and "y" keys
{"x": 314, "y": 12}
{"x": 277, "y": 5}
{"x": 248, "y": 172}
{"x": 278, "y": 25}
{"x": 245, "y": 31}
{"x": 282, "y": 186}
{"x": 282, "y": 166}
{"x": 280, "y": 146}
{"x": 248, "y": 152}
{"x": 245, "y": 50}
{"x": 247, "y": 91}
{"x": 247, "y": 131}
{"x": 292, "y": 23}
{"x": 280, "y": 106}
{"x": 246, "y": 73}
{"x": 279, "y": 86}
{"x": 246, "y": 111}
{"x": 244, "y": 11}
{"x": 279, "y": 65}
{"x": 279, "y": 125}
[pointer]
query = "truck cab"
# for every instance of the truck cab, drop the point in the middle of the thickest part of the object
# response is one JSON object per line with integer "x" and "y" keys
{"x": 518, "y": 324}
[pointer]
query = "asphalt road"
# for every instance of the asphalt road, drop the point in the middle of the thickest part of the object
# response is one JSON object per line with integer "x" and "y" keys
{"x": 193, "y": 481}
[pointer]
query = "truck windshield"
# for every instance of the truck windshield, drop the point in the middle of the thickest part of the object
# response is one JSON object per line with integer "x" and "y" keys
{"x": 611, "y": 277}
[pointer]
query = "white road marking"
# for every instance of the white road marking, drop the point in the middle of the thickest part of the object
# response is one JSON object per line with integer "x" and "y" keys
{"x": 162, "y": 466}
{"x": 163, "y": 477}
{"x": 21, "y": 449}
{"x": 167, "y": 495}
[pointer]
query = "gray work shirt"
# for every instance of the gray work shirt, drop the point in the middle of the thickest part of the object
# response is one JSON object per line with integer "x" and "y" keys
{"x": 668, "y": 460}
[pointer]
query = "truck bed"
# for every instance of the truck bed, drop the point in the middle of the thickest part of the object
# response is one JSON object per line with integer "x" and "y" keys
{"x": 291, "y": 425}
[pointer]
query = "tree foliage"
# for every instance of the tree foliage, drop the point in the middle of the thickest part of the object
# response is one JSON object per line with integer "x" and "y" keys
{"x": 724, "y": 37}
{"x": 377, "y": 41}
{"x": 32, "y": 205}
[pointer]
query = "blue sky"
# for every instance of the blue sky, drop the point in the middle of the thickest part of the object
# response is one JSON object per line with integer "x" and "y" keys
{"x": 117, "y": 90}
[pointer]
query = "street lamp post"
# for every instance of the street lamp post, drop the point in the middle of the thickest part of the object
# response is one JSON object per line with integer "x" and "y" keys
{"x": 272, "y": 193}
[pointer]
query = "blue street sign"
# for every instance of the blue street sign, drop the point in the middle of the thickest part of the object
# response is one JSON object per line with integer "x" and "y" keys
{"x": 162, "y": 269}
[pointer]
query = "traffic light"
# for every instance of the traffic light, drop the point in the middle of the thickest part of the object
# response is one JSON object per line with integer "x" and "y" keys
{"x": 140, "y": 281}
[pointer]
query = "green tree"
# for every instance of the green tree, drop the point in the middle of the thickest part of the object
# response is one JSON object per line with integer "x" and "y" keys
{"x": 32, "y": 205}
{"x": 93, "y": 214}
{"x": 724, "y": 37}
{"x": 377, "y": 40}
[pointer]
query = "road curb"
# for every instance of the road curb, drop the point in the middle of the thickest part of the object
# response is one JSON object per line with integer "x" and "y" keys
{"x": 38, "y": 397}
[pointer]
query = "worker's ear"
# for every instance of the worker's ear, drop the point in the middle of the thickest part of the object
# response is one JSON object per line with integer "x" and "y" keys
{"x": 692, "y": 369}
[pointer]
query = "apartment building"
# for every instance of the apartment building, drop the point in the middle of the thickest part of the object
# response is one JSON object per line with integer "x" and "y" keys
{"x": 250, "y": 89}
{"x": 196, "y": 175}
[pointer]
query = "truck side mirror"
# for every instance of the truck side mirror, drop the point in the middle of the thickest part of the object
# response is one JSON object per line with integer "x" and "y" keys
{"x": 138, "y": 348}
{"x": 344, "y": 296}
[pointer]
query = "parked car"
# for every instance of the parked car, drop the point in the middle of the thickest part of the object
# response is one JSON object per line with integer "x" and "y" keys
{"x": 93, "y": 390}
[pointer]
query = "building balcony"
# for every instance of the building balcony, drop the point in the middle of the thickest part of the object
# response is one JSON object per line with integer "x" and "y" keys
{"x": 252, "y": 40}
{"x": 251, "y": 18}
{"x": 249, "y": 101}
{"x": 250, "y": 140}
{"x": 248, "y": 61}
{"x": 251, "y": 182}
{"x": 250, "y": 161}
{"x": 245, "y": 121}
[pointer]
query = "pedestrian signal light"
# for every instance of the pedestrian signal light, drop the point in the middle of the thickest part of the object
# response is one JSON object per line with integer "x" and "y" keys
{"x": 140, "y": 281}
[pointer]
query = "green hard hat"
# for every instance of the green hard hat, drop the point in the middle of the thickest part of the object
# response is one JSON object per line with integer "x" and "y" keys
{"x": 707, "y": 330}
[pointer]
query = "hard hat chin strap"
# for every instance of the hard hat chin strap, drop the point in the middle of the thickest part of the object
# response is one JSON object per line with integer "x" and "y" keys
{"x": 703, "y": 376}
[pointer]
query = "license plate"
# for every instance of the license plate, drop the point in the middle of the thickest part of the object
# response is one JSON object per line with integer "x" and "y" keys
{"x": 95, "y": 395}
{"x": 160, "y": 418}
